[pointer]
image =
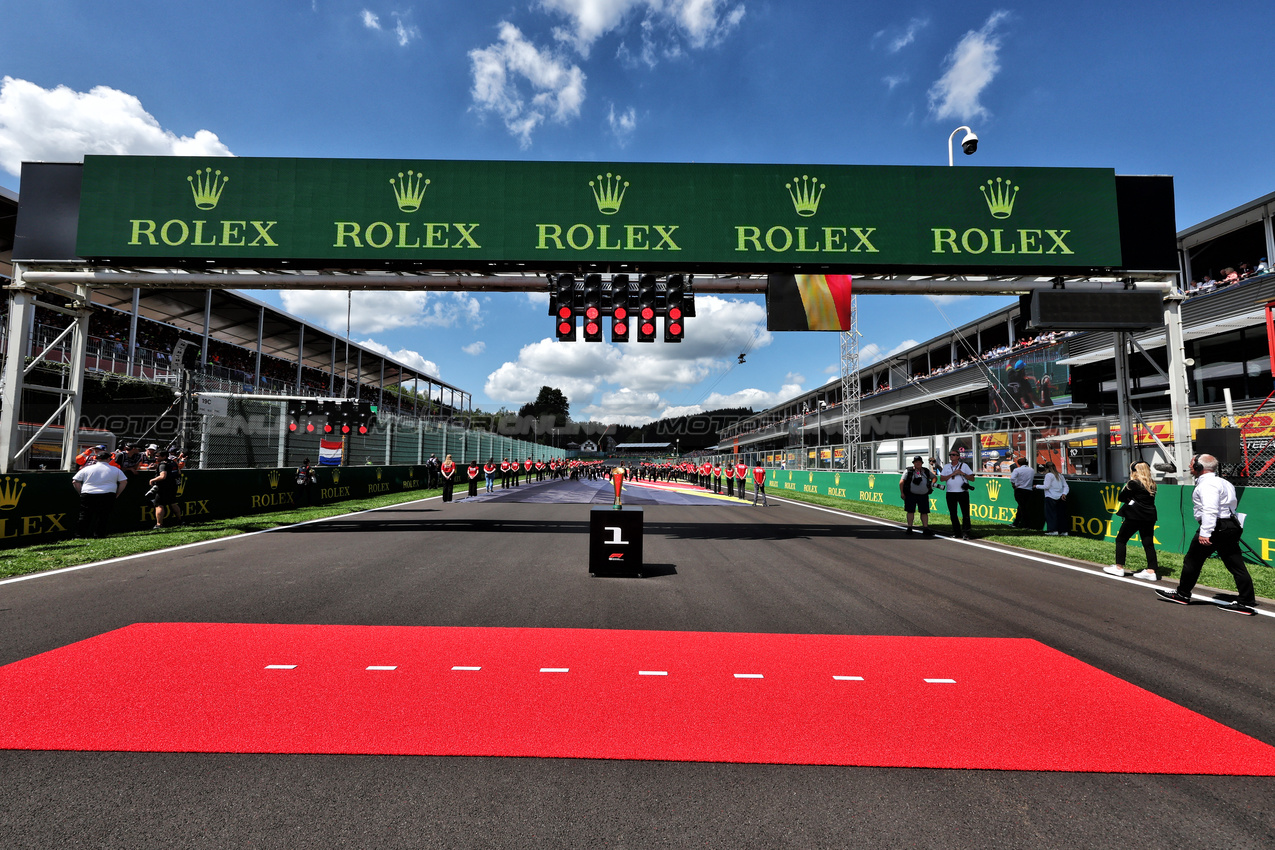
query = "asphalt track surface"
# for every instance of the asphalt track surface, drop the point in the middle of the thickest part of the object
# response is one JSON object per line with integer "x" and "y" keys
{"x": 720, "y": 566}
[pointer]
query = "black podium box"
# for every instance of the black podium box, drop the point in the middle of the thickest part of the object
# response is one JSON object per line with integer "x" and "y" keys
{"x": 615, "y": 541}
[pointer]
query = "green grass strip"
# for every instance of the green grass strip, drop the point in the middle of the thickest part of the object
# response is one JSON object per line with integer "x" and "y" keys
{"x": 1099, "y": 552}
{"x": 71, "y": 553}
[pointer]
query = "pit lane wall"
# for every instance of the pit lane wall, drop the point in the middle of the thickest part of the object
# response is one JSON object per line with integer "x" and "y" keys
{"x": 38, "y": 507}
{"x": 1092, "y": 505}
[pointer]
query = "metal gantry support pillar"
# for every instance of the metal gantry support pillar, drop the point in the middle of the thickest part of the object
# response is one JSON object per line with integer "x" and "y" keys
{"x": 851, "y": 397}
{"x": 22, "y": 307}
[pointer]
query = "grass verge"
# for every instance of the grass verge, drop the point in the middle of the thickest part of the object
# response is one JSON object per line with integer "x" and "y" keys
{"x": 71, "y": 553}
{"x": 1097, "y": 552}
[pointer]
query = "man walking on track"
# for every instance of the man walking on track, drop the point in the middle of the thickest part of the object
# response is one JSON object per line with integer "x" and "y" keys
{"x": 1215, "y": 502}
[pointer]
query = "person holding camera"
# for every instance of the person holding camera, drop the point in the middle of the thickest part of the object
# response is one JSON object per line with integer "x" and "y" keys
{"x": 163, "y": 492}
{"x": 915, "y": 487}
{"x": 957, "y": 477}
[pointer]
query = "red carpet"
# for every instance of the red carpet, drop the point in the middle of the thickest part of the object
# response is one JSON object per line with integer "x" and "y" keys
{"x": 685, "y": 696}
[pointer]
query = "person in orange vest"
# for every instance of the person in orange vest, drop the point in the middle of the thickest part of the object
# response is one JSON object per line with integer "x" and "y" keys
{"x": 489, "y": 469}
{"x": 741, "y": 476}
{"x": 759, "y": 489}
{"x": 471, "y": 472}
{"x": 448, "y": 473}
{"x": 88, "y": 456}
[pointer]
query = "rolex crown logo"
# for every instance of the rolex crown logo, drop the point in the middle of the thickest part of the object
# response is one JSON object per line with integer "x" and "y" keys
{"x": 273, "y": 477}
{"x": 1111, "y": 498}
{"x": 609, "y": 193}
{"x": 10, "y": 491}
{"x": 207, "y": 186}
{"x": 993, "y": 489}
{"x": 378, "y": 473}
{"x": 336, "y": 476}
{"x": 181, "y": 485}
{"x": 1000, "y": 197}
{"x": 409, "y": 190}
{"x": 836, "y": 479}
{"x": 805, "y": 193}
{"x": 810, "y": 479}
{"x": 872, "y": 481}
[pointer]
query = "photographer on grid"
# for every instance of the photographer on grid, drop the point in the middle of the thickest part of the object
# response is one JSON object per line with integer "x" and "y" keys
{"x": 163, "y": 492}
{"x": 957, "y": 476}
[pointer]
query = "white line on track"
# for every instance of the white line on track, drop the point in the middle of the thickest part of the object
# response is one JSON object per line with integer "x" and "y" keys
{"x": 748, "y": 676}
{"x": 940, "y": 681}
{"x": 472, "y": 669}
{"x": 228, "y": 539}
{"x": 382, "y": 668}
{"x": 652, "y": 672}
{"x": 848, "y": 678}
{"x": 281, "y": 666}
{"x": 1094, "y": 570}
{"x": 555, "y": 669}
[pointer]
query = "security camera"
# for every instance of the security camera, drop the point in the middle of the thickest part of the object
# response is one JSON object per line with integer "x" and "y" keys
{"x": 969, "y": 144}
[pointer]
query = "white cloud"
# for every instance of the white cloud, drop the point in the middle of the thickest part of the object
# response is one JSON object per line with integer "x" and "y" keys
{"x": 623, "y": 124}
{"x": 503, "y": 70}
{"x": 700, "y": 22}
{"x": 373, "y": 312}
{"x": 370, "y": 20}
{"x": 475, "y": 348}
{"x": 406, "y": 356}
{"x": 62, "y": 125}
{"x": 895, "y": 80}
{"x": 404, "y": 32}
{"x": 906, "y": 37}
{"x": 971, "y": 67}
{"x": 872, "y": 353}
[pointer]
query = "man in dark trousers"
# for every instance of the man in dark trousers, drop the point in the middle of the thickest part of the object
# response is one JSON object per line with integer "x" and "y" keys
{"x": 99, "y": 482}
{"x": 1215, "y": 502}
{"x": 1023, "y": 480}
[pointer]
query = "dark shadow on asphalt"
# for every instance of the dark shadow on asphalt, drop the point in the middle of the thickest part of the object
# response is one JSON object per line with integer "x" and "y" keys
{"x": 680, "y": 531}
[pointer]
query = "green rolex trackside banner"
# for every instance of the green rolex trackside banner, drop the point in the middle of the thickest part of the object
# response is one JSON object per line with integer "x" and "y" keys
{"x": 553, "y": 214}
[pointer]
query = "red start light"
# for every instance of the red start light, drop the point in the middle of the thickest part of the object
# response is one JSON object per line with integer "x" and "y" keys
{"x": 590, "y": 328}
{"x": 345, "y": 429}
{"x": 647, "y": 313}
{"x": 564, "y": 312}
{"x": 648, "y": 328}
{"x": 327, "y": 429}
{"x": 620, "y": 314}
{"x": 591, "y": 313}
{"x": 564, "y": 328}
{"x": 309, "y": 427}
{"x": 621, "y": 329}
{"x": 675, "y": 329}
{"x": 292, "y": 426}
{"x": 362, "y": 429}
{"x": 674, "y": 313}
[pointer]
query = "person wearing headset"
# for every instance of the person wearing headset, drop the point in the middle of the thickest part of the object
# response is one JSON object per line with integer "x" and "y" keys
{"x": 1214, "y": 502}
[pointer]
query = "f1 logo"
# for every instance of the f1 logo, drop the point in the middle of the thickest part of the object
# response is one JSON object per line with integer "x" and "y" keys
{"x": 615, "y": 536}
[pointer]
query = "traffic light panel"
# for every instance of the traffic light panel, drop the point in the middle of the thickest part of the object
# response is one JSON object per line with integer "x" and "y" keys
{"x": 621, "y": 320}
{"x": 646, "y": 308}
{"x": 332, "y": 417}
{"x": 366, "y": 417}
{"x": 294, "y": 415}
{"x": 565, "y": 298}
{"x": 592, "y": 308}
{"x": 674, "y": 318}
{"x": 349, "y": 416}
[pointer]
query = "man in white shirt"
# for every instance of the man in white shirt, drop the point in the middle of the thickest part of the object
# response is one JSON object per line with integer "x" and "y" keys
{"x": 957, "y": 475}
{"x": 98, "y": 484}
{"x": 1022, "y": 478}
{"x": 1214, "y": 501}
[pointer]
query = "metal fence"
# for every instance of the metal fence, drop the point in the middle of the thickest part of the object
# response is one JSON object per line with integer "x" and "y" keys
{"x": 238, "y": 432}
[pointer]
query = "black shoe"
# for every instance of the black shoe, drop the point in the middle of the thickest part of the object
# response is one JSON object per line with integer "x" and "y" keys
{"x": 929, "y": 532}
{"x": 1173, "y": 596}
{"x": 907, "y": 530}
{"x": 1238, "y": 608}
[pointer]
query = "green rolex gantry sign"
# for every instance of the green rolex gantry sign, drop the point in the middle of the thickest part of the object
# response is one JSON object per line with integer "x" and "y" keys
{"x": 352, "y": 213}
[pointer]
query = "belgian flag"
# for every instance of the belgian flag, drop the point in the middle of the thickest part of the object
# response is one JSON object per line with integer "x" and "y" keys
{"x": 808, "y": 302}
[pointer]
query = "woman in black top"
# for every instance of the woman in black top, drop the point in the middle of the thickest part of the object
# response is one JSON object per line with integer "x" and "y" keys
{"x": 1139, "y": 514}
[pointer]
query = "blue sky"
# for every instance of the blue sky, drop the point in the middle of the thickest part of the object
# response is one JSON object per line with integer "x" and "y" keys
{"x": 1141, "y": 87}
